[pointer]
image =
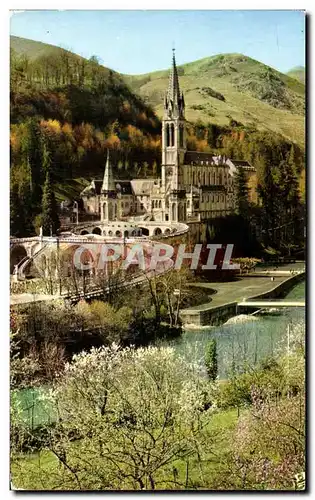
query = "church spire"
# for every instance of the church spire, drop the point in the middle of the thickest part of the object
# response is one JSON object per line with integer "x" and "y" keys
{"x": 108, "y": 180}
{"x": 174, "y": 99}
{"x": 173, "y": 92}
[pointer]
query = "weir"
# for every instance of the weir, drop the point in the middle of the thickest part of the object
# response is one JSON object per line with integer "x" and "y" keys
{"x": 272, "y": 303}
{"x": 216, "y": 314}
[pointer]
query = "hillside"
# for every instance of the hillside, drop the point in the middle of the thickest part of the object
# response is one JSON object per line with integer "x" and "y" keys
{"x": 298, "y": 73}
{"x": 232, "y": 86}
{"x": 33, "y": 49}
{"x": 66, "y": 112}
{"x": 217, "y": 89}
{"x": 81, "y": 106}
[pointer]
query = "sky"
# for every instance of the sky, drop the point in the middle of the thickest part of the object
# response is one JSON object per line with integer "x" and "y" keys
{"x": 139, "y": 41}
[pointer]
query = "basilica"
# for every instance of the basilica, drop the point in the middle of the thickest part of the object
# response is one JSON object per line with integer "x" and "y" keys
{"x": 194, "y": 186}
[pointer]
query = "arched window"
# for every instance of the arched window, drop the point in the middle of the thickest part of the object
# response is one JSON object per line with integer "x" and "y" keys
{"x": 172, "y": 134}
{"x": 167, "y": 134}
{"x": 160, "y": 204}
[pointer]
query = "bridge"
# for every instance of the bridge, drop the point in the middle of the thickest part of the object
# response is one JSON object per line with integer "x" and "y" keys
{"x": 27, "y": 251}
{"x": 133, "y": 227}
{"x": 271, "y": 303}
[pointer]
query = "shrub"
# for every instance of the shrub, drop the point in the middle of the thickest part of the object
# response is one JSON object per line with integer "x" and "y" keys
{"x": 211, "y": 359}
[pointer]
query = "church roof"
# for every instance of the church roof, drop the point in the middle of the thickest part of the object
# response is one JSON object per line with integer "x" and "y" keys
{"x": 108, "y": 180}
{"x": 142, "y": 186}
{"x": 234, "y": 164}
{"x": 124, "y": 187}
{"x": 199, "y": 158}
{"x": 174, "y": 103}
{"x": 93, "y": 188}
{"x": 243, "y": 164}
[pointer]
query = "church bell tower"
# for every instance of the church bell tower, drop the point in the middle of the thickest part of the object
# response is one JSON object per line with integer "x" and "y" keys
{"x": 173, "y": 149}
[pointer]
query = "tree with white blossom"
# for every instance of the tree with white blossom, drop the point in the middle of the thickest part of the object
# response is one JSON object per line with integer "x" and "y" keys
{"x": 126, "y": 418}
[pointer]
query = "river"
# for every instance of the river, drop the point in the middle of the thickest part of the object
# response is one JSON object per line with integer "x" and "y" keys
{"x": 240, "y": 343}
{"x": 236, "y": 343}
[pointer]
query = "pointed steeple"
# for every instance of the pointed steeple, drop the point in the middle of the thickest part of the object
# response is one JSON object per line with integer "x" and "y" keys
{"x": 173, "y": 92}
{"x": 108, "y": 179}
{"x": 174, "y": 99}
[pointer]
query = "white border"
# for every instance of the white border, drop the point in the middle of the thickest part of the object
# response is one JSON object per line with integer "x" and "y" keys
{"x": 4, "y": 184}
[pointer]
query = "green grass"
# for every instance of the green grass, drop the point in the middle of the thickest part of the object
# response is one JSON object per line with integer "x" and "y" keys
{"x": 31, "y": 48}
{"x": 298, "y": 73}
{"x": 25, "y": 475}
{"x": 241, "y": 81}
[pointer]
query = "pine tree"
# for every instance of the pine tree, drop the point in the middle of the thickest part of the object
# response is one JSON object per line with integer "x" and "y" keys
{"x": 268, "y": 192}
{"x": 50, "y": 220}
{"x": 31, "y": 152}
{"x": 241, "y": 193}
{"x": 211, "y": 359}
{"x": 17, "y": 220}
{"x": 289, "y": 199}
{"x": 289, "y": 187}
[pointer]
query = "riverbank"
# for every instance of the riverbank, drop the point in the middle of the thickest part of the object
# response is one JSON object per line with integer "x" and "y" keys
{"x": 223, "y": 304}
{"x": 242, "y": 342}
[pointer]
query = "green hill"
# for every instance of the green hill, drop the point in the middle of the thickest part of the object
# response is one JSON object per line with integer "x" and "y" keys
{"x": 232, "y": 86}
{"x": 298, "y": 73}
{"x": 217, "y": 89}
{"x": 66, "y": 112}
{"x": 31, "y": 48}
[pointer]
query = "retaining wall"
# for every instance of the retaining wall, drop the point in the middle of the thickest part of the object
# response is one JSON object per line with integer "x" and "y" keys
{"x": 216, "y": 315}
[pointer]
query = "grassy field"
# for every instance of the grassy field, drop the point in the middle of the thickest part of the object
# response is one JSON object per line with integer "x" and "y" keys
{"x": 298, "y": 73}
{"x": 24, "y": 471}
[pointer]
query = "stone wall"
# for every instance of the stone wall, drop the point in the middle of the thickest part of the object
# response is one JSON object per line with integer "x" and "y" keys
{"x": 216, "y": 315}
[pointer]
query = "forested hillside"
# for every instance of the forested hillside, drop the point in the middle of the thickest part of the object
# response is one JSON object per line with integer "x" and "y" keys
{"x": 66, "y": 111}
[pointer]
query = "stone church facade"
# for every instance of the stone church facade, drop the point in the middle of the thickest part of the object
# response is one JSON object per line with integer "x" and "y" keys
{"x": 194, "y": 186}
